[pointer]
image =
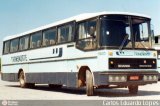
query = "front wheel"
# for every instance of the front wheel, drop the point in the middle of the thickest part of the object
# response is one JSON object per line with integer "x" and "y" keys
{"x": 89, "y": 84}
{"x": 133, "y": 89}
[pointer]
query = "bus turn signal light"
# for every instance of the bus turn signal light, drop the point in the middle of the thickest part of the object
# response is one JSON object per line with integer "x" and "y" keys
{"x": 111, "y": 62}
{"x": 110, "y": 53}
{"x": 154, "y": 62}
{"x": 134, "y": 77}
{"x": 145, "y": 61}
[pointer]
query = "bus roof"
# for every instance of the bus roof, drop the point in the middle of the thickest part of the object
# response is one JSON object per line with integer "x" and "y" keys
{"x": 74, "y": 18}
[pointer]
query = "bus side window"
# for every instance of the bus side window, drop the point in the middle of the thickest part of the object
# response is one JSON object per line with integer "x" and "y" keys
{"x": 45, "y": 42}
{"x": 39, "y": 43}
{"x": 62, "y": 34}
{"x": 52, "y": 42}
{"x": 14, "y": 45}
{"x": 36, "y": 40}
{"x": 82, "y": 33}
{"x": 49, "y": 37}
{"x": 69, "y": 32}
{"x": 23, "y": 45}
{"x": 65, "y": 33}
{"x": 92, "y": 28}
{"x": 6, "y": 47}
{"x": 87, "y": 35}
{"x": 33, "y": 44}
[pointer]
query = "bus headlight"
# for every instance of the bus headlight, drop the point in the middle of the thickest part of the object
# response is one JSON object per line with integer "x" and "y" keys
{"x": 111, "y": 62}
{"x": 145, "y": 78}
{"x": 110, "y": 53}
{"x": 155, "y": 77}
{"x": 153, "y": 62}
{"x": 111, "y": 78}
{"x": 123, "y": 78}
{"x": 117, "y": 78}
{"x": 150, "y": 78}
{"x": 155, "y": 54}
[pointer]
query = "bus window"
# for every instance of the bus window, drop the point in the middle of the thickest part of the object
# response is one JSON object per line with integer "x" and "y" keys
{"x": 14, "y": 45}
{"x": 24, "y": 41}
{"x": 82, "y": 32}
{"x": 115, "y": 32}
{"x": 49, "y": 37}
{"x": 36, "y": 40}
{"x": 62, "y": 35}
{"x": 65, "y": 33}
{"x": 69, "y": 32}
{"x": 92, "y": 29}
{"x": 6, "y": 47}
{"x": 87, "y": 35}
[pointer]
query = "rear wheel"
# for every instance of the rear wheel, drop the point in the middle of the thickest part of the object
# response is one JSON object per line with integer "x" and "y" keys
{"x": 89, "y": 84}
{"x": 133, "y": 89}
{"x": 22, "y": 81}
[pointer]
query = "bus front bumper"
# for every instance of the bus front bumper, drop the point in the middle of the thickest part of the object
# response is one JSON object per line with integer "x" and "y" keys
{"x": 125, "y": 78}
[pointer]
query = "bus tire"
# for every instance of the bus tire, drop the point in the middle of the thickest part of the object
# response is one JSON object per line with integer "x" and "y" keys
{"x": 22, "y": 80}
{"x": 133, "y": 89}
{"x": 89, "y": 84}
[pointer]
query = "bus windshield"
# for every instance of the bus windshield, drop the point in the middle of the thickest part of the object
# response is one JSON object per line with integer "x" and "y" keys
{"x": 116, "y": 31}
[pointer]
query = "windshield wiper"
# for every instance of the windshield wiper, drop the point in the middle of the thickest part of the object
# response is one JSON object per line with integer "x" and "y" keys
{"x": 123, "y": 42}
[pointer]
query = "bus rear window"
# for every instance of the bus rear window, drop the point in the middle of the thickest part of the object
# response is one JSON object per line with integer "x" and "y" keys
{"x": 6, "y": 47}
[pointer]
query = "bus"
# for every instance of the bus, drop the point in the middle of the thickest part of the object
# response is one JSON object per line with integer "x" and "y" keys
{"x": 156, "y": 45}
{"x": 89, "y": 51}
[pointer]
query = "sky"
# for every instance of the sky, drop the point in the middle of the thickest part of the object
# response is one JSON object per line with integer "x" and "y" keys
{"x": 17, "y": 16}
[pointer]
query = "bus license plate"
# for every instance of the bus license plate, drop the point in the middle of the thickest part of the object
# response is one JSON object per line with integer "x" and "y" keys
{"x": 134, "y": 78}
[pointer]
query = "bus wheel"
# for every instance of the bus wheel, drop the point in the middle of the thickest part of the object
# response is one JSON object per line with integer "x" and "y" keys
{"x": 22, "y": 80}
{"x": 133, "y": 89}
{"x": 23, "y": 83}
{"x": 55, "y": 86}
{"x": 89, "y": 84}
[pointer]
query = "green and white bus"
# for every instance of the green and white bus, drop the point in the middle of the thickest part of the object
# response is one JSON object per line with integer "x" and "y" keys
{"x": 92, "y": 50}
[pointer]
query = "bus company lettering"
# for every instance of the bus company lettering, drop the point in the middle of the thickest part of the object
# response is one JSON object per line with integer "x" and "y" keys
{"x": 124, "y": 66}
{"x": 20, "y": 58}
{"x": 142, "y": 53}
{"x": 145, "y": 66}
